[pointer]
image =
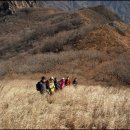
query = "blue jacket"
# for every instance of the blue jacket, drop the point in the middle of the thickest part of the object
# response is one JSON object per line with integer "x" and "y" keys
{"x": 43, "y": 86}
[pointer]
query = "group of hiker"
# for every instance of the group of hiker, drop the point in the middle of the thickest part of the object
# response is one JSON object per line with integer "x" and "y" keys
{"x": 52, "y": 85}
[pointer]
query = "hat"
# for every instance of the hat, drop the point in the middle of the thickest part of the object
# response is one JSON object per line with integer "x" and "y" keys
{"x": 52, "y": 78}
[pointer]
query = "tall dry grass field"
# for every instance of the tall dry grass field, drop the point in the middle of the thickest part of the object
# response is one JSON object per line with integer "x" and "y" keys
{"x": 21, "y": 106}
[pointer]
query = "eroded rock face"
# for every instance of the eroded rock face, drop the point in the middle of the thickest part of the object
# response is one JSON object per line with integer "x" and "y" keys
{"x": 10, "y": 7}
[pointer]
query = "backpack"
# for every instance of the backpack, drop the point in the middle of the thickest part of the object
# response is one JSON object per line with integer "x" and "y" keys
{"x": 38, "y": 86}
{"x": 47, "y": 84}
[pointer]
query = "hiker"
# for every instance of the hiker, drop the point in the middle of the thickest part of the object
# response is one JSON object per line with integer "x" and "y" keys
{"x": 56, "y": 84}
{"x": 75, "y": 82}
{"x": 67, "y": 81}
{"x": 62, "y": 83}
{"x": 47, "y": 86}
{"x": 41, "y": 85}
{"x": 51, "y": 86}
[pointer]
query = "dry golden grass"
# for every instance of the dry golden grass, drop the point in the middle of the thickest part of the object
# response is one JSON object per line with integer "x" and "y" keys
{"x": 21, "y": 106}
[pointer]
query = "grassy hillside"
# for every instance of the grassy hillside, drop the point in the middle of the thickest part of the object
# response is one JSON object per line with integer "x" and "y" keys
{"x": 88, "y": 44}
{"x": 47, "y": 40}
{"x": 85, "y": 107}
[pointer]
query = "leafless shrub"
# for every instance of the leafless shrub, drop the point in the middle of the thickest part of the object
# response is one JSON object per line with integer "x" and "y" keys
{"x": 116, "y": 69}
{"x": 56, "y": 43}
{"x": 69, "y": 24}
{"x": 123, "y": 68}
{"x": 50, "y": 30}
{"x": 46, "y": 62}
{"x": 55, "y": 18}
{"x": 94, "y": 55}
{"x": 58, "y": 19}
{"x": 26, "y": 10}
{"x": 105, "y": 72}
{"x": 74, "y": 19}
{"x": 3, "y": 69}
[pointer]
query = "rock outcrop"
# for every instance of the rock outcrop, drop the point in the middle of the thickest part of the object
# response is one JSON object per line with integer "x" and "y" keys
{"x": 10, "y": 7}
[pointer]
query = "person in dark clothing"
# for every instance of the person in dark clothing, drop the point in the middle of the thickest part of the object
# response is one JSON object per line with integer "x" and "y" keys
{"x": 75, "y": 82}
{"x": 56, "y": 84}
{"x": 48, "y": 86}
{"x": 42, "y": 85}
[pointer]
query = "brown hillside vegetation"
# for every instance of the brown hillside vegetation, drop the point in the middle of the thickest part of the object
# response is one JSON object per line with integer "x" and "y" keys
{"x": 46, "y": 40}
{"x": 88, "y": 44}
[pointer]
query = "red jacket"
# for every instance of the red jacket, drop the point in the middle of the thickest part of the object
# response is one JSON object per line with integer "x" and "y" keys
{"x": 67, "y": 82}
{"x": 62, "y": 84}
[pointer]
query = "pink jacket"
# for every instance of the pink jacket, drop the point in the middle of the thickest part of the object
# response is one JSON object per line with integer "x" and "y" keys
{"x": 62, "y": 84}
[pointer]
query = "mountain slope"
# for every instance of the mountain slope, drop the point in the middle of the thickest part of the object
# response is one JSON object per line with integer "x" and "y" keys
{"x": 119, "y": 7}
{"x": 92, "y": 44}
{"x": 45, "y": 40}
